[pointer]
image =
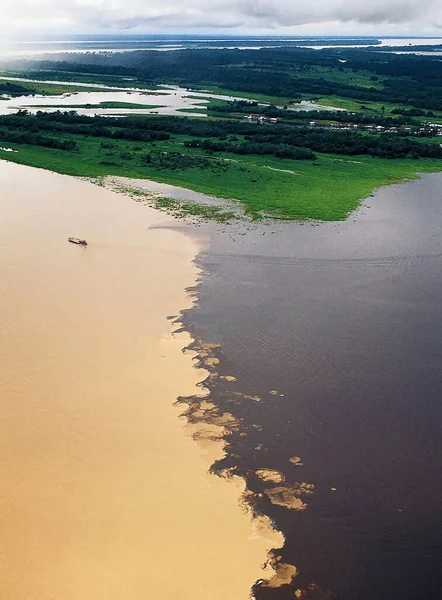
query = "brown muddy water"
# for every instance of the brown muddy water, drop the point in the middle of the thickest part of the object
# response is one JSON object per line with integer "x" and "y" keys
{"x": 327, "y": 353}
{"x": 104, "y": 494}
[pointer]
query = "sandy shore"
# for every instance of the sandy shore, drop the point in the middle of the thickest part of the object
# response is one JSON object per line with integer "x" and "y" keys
{"x": 104, "y": 493}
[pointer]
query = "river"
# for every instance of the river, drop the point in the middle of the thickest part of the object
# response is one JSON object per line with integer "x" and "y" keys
{"x": 104, "y": 493}
{"x": 329, "y": 356}
{"x": 167, "y": 100}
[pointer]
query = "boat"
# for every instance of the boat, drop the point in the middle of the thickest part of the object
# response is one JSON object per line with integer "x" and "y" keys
{"x": 75, "y": 240}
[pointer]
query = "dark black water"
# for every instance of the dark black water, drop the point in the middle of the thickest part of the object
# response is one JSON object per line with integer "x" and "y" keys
{"x": 344, "y": 320}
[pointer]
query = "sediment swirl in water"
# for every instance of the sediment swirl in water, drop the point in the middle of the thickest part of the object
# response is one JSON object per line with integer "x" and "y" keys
{"x": 103, "y": 493}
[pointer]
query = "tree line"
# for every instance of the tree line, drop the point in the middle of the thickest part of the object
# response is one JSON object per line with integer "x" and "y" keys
{"x": 14, "y": 89}
{"x": 339, "y": 116}
{"x": 34, "y": 139}
{"x": 287, "y": 72}
{"x": 283, "y": 140}
{"x": 280, "y": 150}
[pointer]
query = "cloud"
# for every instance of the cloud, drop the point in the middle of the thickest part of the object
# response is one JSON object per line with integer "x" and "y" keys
{"x": 181, "y": 15}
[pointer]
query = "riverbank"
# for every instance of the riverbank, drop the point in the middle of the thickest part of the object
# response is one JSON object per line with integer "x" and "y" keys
{"x": 327, "y": 189}
{"x": 105, "y": 492}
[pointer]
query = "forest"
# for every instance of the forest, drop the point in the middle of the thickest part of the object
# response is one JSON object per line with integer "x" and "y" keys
{"x": 231, "y": 136}
{"x": 287, "y": 72}
{"x": 249, "y": 107}
{"x": 14, "y": 89}
{"x": 260, "y": 150}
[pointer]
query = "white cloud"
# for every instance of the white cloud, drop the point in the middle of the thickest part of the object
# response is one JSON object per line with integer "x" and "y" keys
{"x": 57, "y": 16}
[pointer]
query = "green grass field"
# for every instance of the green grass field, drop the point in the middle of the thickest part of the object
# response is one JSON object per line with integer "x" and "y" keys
{"x": 345, "y": 76}
{"x": 55, "y": 89}
{"x": 195, "y": 111}
{"x": 357, "y": 78}
{"x": 326, "y": 189}
{"x": 365, "y": 107}
{"x": 105, "y": 104}
{"x": 74, "y": 77}
{"x": 265, "y": 99}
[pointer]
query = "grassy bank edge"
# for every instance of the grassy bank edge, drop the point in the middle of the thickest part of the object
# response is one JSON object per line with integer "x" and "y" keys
{"x": 346, "y": 184}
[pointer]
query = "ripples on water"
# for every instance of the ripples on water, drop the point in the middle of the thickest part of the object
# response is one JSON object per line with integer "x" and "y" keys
{"x": 336, "y": 331}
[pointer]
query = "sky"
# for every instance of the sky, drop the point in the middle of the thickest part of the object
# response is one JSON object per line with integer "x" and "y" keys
{"x": 273, "y": 17}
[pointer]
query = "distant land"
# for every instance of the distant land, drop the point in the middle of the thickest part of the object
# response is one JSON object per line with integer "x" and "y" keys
{"x": 289, "y": 131}
{"x": 296, "y": 263}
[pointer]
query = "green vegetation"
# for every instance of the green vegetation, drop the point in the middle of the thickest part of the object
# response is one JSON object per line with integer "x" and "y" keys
{"x": 355, "y": 77}
{"x": 12, "y": 89}
{"x": 295, "y": 141}
{"x": 381, "y": 117}
{"x": 364, "y": 75}
{"x": 327, "y": 188}
{"x": 30, "y": 88}
{"x": 275, "y": 161}
{"x": 184, "y": 209}
{"x": 358, "y": 106}
{"x": 69, "y": 76}
{"x": 195, "y": 111}
{"x": 255, "y": 96}
{"x": 178, "y": 208}
{"x": 105, "y": 104}
{"x": 206, "y": 100}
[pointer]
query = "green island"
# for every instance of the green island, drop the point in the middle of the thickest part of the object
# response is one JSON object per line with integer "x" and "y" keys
{"x": 104, "y": 104}
{"x": 13, "y": 87}
{"x": 264, "y": 150}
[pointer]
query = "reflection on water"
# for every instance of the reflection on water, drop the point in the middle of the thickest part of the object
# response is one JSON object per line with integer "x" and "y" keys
{"x": 102, "y": 493}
